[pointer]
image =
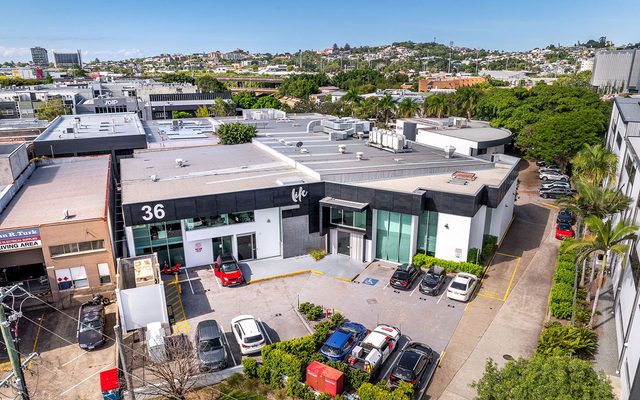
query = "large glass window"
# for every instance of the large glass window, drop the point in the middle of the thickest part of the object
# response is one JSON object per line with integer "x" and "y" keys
{"x": 220, "y": 220}
{"x": 427, "y": 232}
{"x": 393, "y": 236}
{"x": 73, "y": 248}
{"x": 164, "y": 238}
{"x": 351, "y": 219}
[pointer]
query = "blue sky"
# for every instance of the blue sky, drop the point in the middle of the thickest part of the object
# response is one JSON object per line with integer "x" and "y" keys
{"x": 117, "y": 29}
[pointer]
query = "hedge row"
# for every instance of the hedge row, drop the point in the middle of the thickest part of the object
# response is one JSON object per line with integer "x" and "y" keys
{"x": 567, "y": 340}
{"x": 561, "y": 302}
{"x": 425, "y": 261}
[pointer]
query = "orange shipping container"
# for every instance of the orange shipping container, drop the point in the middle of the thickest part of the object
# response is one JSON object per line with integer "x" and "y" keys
{"x": 324, "y": 379}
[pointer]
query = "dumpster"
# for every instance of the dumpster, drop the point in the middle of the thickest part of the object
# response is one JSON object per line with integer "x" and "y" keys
{"x": 110, "y": 384}
{"x": 324, "y": 379}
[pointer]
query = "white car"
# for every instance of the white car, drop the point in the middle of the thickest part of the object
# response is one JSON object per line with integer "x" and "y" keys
{"x": 248, "y": 334}
{"x": 553, "y": 176}
{"x": 556, "y": 184}
{"x": 462, "y": 286}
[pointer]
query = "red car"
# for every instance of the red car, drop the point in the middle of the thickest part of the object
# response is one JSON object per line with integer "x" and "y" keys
{"x": 564, "y": 230}
{"x": 227, "y": 269}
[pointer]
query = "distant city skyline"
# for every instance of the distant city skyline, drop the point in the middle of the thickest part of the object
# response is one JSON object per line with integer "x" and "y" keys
{"x": 122, "y": 30}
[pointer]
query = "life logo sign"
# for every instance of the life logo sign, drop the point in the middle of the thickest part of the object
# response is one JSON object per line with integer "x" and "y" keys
{"x": 298, "y": 194}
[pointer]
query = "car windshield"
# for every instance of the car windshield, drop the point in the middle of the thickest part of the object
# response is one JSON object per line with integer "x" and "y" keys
{"x": 90, "y": 325}
{"x": 347, "y": 329}
{"x": 430, "y": 279}
{"x": 564, "y": 227}
{"x": 406, "y": 365}
{"x": 229, "y": 267}
{"x": 401, "y": 275}
{"x": 459, "y": 286}
{"x": 253, "y": 339}
{"x": 209, "y": 345}
{"x": 330, "y": 350}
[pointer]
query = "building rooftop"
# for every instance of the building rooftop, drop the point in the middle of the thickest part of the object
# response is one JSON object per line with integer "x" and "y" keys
{"x": 78, "y": 184}
{"x": 629, "y": 108}
{"x": 7, "y": 148}
{"x": 21, "y": 124}
{"x": 205, "y": 170}
{"x": 477, "y": 131}
{"x": 180, "y": 133}
{"x": 88, "y": 126}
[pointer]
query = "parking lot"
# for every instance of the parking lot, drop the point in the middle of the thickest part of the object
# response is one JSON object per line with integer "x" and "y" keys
{"x": 62, "y": 370}
{"x": 368, "y": 300}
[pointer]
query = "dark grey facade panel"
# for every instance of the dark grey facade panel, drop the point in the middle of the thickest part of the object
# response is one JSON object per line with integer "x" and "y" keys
{"x": 88, "y": 145}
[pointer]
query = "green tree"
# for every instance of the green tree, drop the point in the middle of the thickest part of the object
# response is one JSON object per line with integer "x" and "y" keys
{"x": 543, "y": 378}
{"x": 435, "y": 105}
{"x": 208, "y": 84}
{"x": 180, "y": 114}
{"x": 222, "y": 108}
{"x": 202, "y": 112}
{"x": 605, "y": 239}
{"x": 302, "y": 85}
{"x": 408, "y": 108}
{"x": 179, "y": 77}
{"x": 78, "y": 72}
{"x": 245, "y": 100}
{"x": 369, "y": 391}
{"x": 467, "y": 99}
{"x": 236, "y": 133}
{"x": 48, "y": 78}
{"x": 51, "y": 109}
{"x": 386, "y": 108}
{"x": 267, "y": 102}
{"x": 594, "y": 164}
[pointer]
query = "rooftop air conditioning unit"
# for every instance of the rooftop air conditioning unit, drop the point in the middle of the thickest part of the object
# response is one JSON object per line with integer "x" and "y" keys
{"x": 448, "y": 151}
{"x": 180, "y": 162}
{"x": 154, "y": 178}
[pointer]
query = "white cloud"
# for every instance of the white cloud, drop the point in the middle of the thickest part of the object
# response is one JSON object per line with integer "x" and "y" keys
{"x": 122, "y": 53}
{"x": 14, "y": 51}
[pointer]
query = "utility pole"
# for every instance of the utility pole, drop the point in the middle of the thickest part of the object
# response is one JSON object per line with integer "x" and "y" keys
{"x": 450, "y": 54}
{"x": 123, "y": 361}
{"x": 14, "y": 357}
{"x": 477, "y": 60}
{"x": 300, "y": 59}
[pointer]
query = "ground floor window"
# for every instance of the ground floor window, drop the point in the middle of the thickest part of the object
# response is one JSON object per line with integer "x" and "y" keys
{"x": 71, "y": 278}
{"x": 427, "y": 232}
{"x": 222, "y": 245}
{"x": 164, "y": 238}
{"x": 351, "y": 219}
{"x": 393, "y": 233}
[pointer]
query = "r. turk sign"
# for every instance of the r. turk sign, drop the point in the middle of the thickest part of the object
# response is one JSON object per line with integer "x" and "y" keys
{"x": 20, "y": 239}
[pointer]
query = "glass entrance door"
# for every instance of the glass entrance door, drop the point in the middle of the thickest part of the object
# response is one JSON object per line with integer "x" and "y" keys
{"x": 222, "y": 245}
{"x": 343, "y": 243}
{"x": 246, "y": 246}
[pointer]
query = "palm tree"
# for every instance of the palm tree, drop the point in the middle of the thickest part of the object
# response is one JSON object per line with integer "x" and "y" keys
{"x": 407, "y": 108}
{"x": 606, "y": 240}
{"x": 594, "y": 164}
{"x": 466, "y": 100}
{"x": 387, "y": 107}
{"x": 351, "y": 98}
{"x": 435, "y": 105}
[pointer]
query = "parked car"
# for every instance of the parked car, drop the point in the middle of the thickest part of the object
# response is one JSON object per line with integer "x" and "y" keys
{"x": 210, "y": 346}
{"x": 555, "y": 193}
{"x": 556, "y": 184}
{"x": 248, "y": 334}
{"x": 566, "y": 216}
{"x": 342, "y": 341}
{"x": 553, "y": 176}
{"x": 433, "y": 281}
{"x": 548, "y": 168}
{"x": 404, "y": 276}
{"x": 374, "y": 350}
{"x": 227, "y": 269}
{"x": 411, "y": 365}
{"x": 462, "y": 286}
{"x": 91, "y": 324}
{"x": 564, "y": 230}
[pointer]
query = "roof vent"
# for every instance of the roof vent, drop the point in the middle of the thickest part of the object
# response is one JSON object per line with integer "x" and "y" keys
{"x": 359, "y": 155}
{"x": 342, "y": 148}
{"x": 448, "y": 151}
{"x": 181, "y": 162}
{"x": 154, "y": 178}
{"x": 462, "y": 178}
{"x": 65, "y": 214}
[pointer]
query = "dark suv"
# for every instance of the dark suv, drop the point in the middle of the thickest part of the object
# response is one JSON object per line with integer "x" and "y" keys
{"x": 433, "y": 281}
{"x": 210, "y": 346}
{"x": 411, "y": 365}
{"x": 404, "y": 276}
{"x": 91, "y": 322}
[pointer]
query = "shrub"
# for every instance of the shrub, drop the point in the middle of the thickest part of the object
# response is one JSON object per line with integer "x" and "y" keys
{"x": 317, "y": 254}
{"x": 354, "y": 378}
{"x": 337, "y": 319}
{"x": 236, "y": 133}
{"x": 561, "y": 304}
{"x": 250, "y": 367}
{"x": 304, "y": 307}
{"x": 582, "y": 312}
{"x": 567, "y": 340}
{"x": 314, "y": 313}
{"x": 472, "y": 255}
{"x": 320, "y": 333}
{"x": 490, "y": 245}
{"x": 425, "y": 261}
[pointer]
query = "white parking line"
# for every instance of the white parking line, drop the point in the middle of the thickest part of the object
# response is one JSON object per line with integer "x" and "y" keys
{"x": 189, "y": 280}
{"x": 265, "y": 332}
{"x": 73, "y": 359}
{"x": 414, "y": 290}
{"x": 390, "y": 362}
{"x": 441, "y": 296}
{"x": 385, "y": 286}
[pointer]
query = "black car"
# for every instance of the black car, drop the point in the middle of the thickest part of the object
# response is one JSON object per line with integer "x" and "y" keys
{"x": 433, "y": 281}
{"x": 91, "y": 325}
{"x": 566, "y": 216}
{"x": 555, "y": 193}
{"x": 411, "y": 365}
{"x": 404, "y": 276}
{"x": 210, "y": 345}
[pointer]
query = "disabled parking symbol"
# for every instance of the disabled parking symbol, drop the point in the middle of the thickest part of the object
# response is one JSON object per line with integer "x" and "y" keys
{"x": 370, "y": 281}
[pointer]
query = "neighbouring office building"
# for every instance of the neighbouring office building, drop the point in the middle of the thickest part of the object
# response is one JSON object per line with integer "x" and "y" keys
{"x": 163, "y": 105}
{"x": 67, "y": 60}
{"x": 623, "y": 139}
{"x": 294, "y": 189}
{"x": 616, "y": 71}
{"x": 55, "y": 229}
{"x": 40, "y": 56}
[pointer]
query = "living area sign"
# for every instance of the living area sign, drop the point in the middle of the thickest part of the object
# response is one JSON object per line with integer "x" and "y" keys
{"x": 20, "y": 239}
